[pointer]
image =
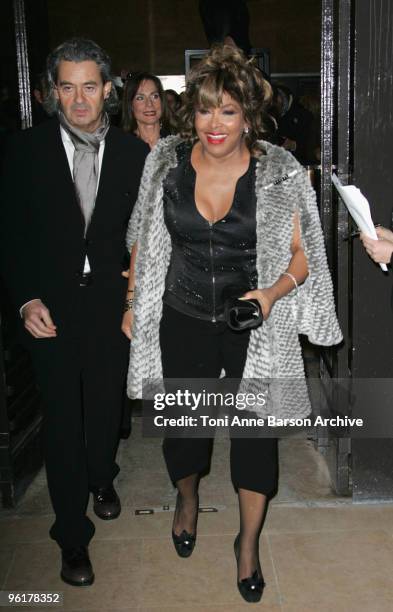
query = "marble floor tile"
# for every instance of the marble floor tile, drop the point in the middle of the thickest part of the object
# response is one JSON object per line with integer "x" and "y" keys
{"x": 348, "y": 517}
{"x": 262, "y": 605}
{"x": 25, "y": 529}
{"x": 142, "y": 491}
{"x": 339, "y": 606}
{"x": 303, "y": 473}
{"x": 159, "y": 525}
{"x": 117, "y": 567}
{"x": 6, "y": 560}
{"x": 385, "y": 515}
{"x": 93, "y": 608}
{"x": 317, "y": 571}
{"x": 36, "y": 499}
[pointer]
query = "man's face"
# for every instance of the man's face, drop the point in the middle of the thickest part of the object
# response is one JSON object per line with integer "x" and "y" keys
{"x": 81, "y": 93}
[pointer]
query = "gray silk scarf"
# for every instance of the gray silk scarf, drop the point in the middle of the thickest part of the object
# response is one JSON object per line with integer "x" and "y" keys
{"x": 86, "y": 162}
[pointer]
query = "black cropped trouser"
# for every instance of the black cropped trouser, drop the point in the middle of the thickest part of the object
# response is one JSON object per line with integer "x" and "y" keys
{"x": 195, "y": 348}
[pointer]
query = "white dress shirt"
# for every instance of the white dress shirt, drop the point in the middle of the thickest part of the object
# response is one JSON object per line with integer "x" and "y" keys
{"x": 69, "y": 149}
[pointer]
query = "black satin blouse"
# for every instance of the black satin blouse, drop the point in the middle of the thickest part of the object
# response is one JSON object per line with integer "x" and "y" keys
{"x": 208, "y": 258}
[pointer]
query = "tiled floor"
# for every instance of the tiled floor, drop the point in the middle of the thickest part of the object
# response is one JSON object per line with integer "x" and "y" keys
{"x": 319, "y": 553}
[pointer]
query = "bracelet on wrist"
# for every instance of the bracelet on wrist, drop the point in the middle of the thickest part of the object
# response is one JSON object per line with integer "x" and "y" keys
{"x": 128, "y": 304}
{"x": 293, "y": 279}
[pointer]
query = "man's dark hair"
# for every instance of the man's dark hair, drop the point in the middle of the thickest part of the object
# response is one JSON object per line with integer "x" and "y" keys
{"x": 79, "y": 50}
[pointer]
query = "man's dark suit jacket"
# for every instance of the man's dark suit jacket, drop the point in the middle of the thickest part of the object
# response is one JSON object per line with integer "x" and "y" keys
{"x": 43, "y": 243}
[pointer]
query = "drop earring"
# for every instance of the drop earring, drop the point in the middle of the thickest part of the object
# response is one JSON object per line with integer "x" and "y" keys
{"x": 246, "y": 130}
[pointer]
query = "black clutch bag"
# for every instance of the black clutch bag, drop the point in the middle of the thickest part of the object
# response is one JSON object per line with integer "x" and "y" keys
{"x": 242, "y": 314}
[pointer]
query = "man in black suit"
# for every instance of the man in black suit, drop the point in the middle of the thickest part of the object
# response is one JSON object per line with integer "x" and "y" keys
{"x": 69, "y": 186}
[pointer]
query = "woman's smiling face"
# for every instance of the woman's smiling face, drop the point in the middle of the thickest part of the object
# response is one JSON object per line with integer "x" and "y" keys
{"x": 220, "y": 129}
{"x": 146, "y": 105}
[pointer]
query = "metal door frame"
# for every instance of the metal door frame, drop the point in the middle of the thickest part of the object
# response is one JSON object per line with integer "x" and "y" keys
{"x": 336, "y": 114}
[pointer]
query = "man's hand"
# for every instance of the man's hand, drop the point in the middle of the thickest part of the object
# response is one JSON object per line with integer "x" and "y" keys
{"x": 38, "y": 321}
{"x": 380, "y": 251}
{"x": 266, "y": 298}
{"x": 384, "y": 234}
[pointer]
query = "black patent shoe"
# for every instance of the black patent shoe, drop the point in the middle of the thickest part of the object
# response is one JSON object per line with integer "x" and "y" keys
{"x": 106, "y": 503}
{"x": 76, "y": 568}
{"x": 184, "y": 543}
{"x": 250, "y": 588}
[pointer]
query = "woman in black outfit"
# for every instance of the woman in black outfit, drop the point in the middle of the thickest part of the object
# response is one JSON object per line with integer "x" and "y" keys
{"x": 198, "y": 208}
{"x": 212, "y": 192}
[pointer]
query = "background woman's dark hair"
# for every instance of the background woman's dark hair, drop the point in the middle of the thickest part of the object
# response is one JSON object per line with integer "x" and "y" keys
{"x": 79, "y": 50}
{"x": 128, "y": 121}
{"x": 225, "y": 69}
{"x": 172, "y": 92}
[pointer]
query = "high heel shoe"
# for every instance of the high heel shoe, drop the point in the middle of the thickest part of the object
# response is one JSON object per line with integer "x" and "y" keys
{"x": 185, "y": 542}
{"x": 250, "y": 588}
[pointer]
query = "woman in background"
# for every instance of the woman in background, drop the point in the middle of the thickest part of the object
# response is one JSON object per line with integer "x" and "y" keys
{"x": 173, "y": 100}
{"x": 144, "y": 111}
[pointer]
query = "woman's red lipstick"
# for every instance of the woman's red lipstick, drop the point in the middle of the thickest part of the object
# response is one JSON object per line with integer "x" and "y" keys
{"x": 215, "y": 138}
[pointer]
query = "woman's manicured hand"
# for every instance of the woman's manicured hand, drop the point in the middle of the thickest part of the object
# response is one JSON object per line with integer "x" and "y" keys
{"x": 266, "y": 298}
{"x": 126, "y": 325}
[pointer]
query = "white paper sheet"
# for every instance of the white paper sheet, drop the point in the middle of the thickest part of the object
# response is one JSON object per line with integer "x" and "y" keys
{"x": 359, "y": 209}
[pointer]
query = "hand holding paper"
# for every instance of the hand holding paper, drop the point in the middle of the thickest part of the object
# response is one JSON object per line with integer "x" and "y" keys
{"x": 380, "y": 251}
{"x": 359, "y": 209}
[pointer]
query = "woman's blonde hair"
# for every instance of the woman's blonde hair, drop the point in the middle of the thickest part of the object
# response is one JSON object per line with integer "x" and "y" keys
{"x": 225, "y": 69}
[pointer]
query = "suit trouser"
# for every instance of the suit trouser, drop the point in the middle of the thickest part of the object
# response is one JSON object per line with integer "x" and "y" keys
{"x": 81, "y": 375}
{"x": 194, "y": 348}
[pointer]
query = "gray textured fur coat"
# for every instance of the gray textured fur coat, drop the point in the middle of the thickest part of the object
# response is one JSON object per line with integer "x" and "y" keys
{"x": 274, "y": 350}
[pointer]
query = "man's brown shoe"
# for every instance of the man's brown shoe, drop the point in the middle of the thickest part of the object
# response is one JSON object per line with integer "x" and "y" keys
{"x": 76, "y": 567}
{"x": 106, "y": 503}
